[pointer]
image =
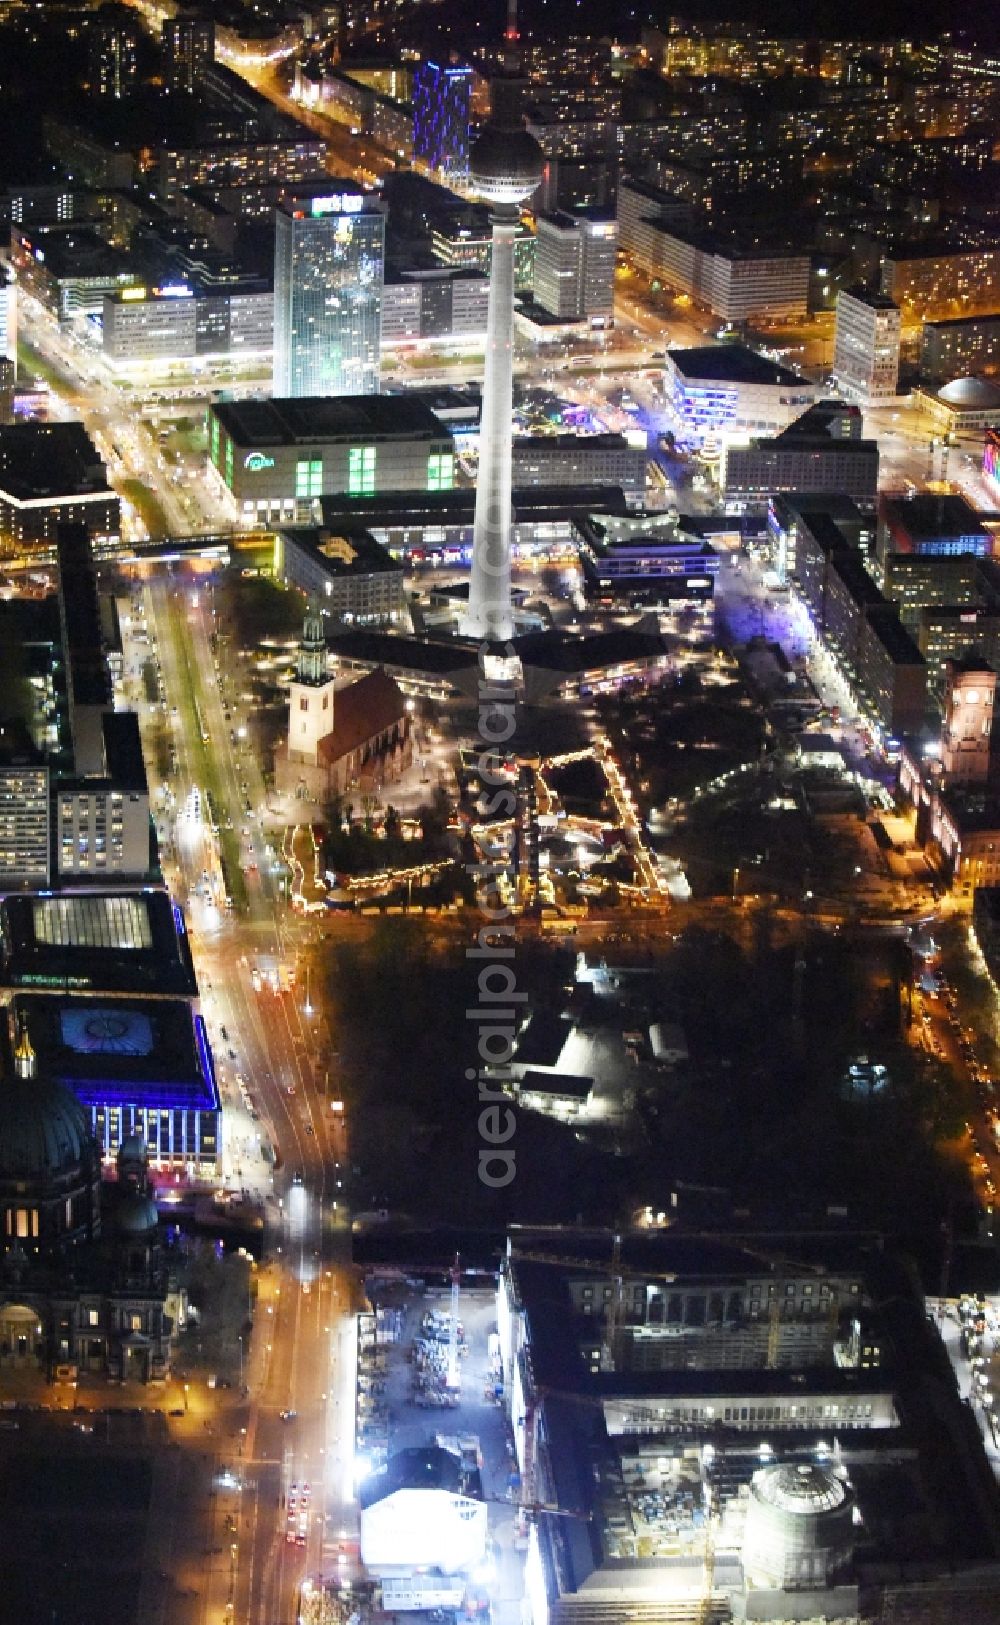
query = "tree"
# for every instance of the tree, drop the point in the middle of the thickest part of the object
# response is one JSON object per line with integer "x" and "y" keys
{"x": 393, "y": 823}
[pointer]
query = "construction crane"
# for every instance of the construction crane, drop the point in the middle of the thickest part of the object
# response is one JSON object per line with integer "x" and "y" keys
{"x": 619, "y": 1274}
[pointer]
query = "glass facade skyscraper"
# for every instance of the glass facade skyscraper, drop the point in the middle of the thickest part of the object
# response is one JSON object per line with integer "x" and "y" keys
{"x": 442, "y": 101}
{"x": 329, "y": 262}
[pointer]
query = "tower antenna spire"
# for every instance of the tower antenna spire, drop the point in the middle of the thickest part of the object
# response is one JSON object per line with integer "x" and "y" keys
{"x": 511, "y": 34}
{"x": 505, "y": 167}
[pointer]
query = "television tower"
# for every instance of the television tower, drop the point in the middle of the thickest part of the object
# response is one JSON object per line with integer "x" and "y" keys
{"x": 505, "y": 167}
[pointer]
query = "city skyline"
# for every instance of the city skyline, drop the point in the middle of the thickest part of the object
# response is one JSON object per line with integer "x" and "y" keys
{"x": 499, "y": 816}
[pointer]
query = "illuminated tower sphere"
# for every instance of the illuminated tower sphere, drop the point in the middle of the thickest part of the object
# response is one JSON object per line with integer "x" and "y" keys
{"x": 505, "y": 167}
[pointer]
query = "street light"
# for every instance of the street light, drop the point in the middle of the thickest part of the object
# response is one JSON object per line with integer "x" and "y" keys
{"x": 240, "y": 1341}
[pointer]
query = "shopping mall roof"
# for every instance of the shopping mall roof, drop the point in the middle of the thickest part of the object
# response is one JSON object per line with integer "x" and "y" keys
{"x": 127, "y": 942}
{"x": 116, "y": 1051}
{"x": 588, "y": 652}
{"x": 732, "y": 364}
{"x": 402, "y": 654}
{"x": 318, "y": 419}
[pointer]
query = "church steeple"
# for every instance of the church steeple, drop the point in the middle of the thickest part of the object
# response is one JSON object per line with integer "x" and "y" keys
{"x": 312, "y": 667}
{"x": 24, "y": 1054}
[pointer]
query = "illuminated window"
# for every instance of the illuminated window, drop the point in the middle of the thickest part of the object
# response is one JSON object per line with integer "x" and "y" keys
{"x": 309, "y": 478}
{"x": 229, "y": 463}
{"x": 93, "y": 1318}
{"x": 137, "y": 1323}
{"x": 440, "y": 471}
{"x": 361, "y": 471}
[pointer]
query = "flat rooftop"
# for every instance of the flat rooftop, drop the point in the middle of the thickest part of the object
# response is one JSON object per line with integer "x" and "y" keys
{"x": 315, "y": 419}
{"x": 732, "y": 364}
{"x": 537, "y": 504}
{"x": 343, "y": 552}
{"x": 397, "y": 652}
{"x": 39, "y": 460}
{"x": 108, "y": 1050}
{"x": 893, "y": 636}
{"x": 867, "y": 296}
{"x": 80, "y": 615}
{"x": 536, "y": 443}
{"x": 132, "y": 942}
{"x": 569, "y": 654}
{"x": 81, "y": 253}
{"x": 931, "y": 516}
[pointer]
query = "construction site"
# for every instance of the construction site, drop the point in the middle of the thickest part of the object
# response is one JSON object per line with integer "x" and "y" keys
{"x": 731, "y": 1427}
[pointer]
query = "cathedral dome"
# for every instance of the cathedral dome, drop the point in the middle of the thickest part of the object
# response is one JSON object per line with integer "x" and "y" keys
{"x": 136, "y": 1214}
{"x": 43, "y": 1129}
{"x": 799, "y": 1532}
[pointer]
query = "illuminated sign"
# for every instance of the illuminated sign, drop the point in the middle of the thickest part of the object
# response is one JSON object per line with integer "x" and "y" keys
{"x": 175, "y": 290}
{"x": 257, "y": 461}
{"x": 338, "y": 203}
{"x": 133, "y": 293}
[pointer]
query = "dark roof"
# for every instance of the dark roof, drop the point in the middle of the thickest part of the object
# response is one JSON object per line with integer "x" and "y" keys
{"x": 893, "y": 636}
{"x": 849, "y": 566}
{"x": 327, "y": 417}
{"x": 791, "y": 503}
{"x": 361, "y": 712}
{"x": 79, "y": 252}
{"x": 421, "y": 1468}
{"x": 405, "y": 653}
{"x": 414, "y": 509}
{"x": 43, "y": 1129}
{"x": 875, "y": 301}
{"x": 972, "y": 811}
{"x": 112, "y": 1050}
{"x": 570, "y": 442}
{"x": 123, "y": 756}
{"x": 568, "y": 1084}
{"x": 732, "y": 364}
{"x": 49, "y": 460}
{"x": 542, "y": 1040}
{"x": 931, "y": 516}
{"x": 971, "y": 661}
{"x": 130, "y": 942}
{"x": 89, "y": 680}
{"x": 564, "y": 652}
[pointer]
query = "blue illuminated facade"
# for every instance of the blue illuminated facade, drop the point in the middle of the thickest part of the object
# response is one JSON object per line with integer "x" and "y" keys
{"x": 179, "y": 1122}
{"x": 138, "y": 1067}
{"x": 442, "y": 102}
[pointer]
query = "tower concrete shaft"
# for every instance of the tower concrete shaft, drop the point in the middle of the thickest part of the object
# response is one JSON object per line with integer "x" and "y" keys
{"x": 490, "y": 614}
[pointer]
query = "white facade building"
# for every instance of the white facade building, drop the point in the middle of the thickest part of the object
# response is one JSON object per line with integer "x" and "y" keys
{"x": 575, "y": 265}
{"x": 866, "y": 347}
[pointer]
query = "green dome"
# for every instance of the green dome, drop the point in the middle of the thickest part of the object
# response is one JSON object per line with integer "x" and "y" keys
{"x": 43, "y": 1129}
{"x": 136, "y": 1215}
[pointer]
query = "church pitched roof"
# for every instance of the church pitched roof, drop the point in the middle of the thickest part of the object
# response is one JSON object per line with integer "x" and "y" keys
{"x": 362, "y": 712}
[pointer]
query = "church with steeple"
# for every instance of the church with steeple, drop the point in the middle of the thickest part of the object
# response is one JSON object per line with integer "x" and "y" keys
{"x": 339, "y": 739}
